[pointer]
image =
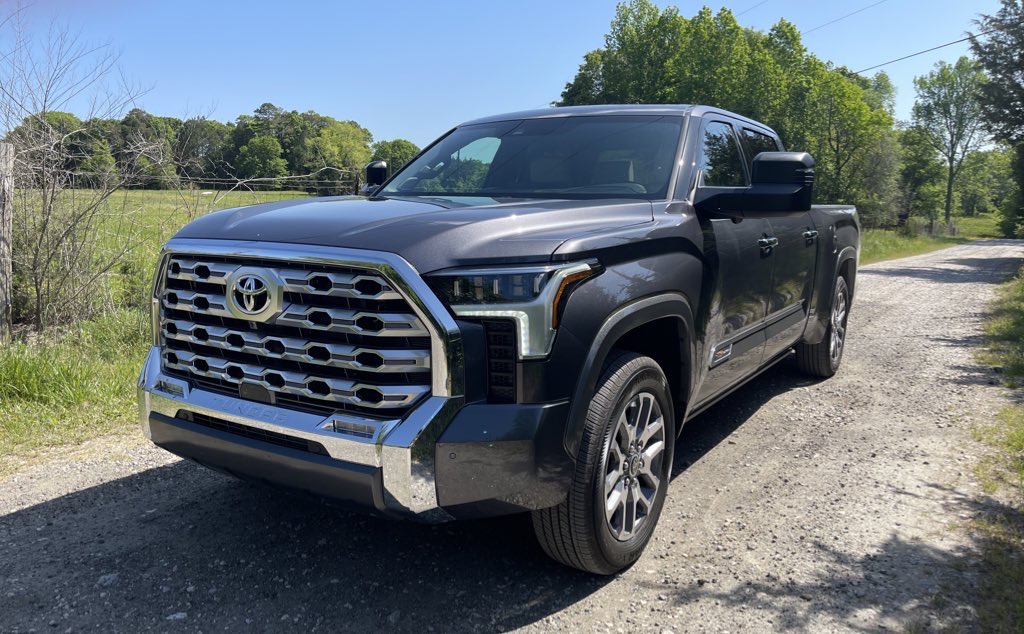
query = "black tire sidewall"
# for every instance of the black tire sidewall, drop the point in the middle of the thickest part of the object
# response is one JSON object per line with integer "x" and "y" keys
{"x": 648, "y": 377}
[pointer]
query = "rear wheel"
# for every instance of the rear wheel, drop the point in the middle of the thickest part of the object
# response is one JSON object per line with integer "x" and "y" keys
{"x": 622, "y": 471}
{"x": 823, "y": 358}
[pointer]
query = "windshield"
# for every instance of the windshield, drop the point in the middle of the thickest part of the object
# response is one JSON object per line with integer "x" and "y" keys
{"x": 564, "y": 157}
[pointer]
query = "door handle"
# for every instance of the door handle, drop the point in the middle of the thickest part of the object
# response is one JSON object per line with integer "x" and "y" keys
{"x": 768, "y": 243}
{"x": 810, "y": 234}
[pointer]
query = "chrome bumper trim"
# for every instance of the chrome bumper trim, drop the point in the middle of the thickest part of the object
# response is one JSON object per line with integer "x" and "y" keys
{"x": 402, "y": 448}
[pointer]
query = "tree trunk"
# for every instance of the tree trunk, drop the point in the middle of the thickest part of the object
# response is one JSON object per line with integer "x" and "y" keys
{"x": 6, "y": 237}
{"x": 949, "y": 193}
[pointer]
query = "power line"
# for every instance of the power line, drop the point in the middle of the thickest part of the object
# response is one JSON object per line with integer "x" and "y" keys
{"x": 927, "y": 50}
{"x": 751, "y": 8}
{"x": 821, "y": 26}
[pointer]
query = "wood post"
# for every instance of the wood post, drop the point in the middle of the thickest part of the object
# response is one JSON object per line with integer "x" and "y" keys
{"x": 6, "y": 231}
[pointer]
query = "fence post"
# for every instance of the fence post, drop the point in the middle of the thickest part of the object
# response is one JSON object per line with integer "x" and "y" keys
{"x": 6, "y": 230}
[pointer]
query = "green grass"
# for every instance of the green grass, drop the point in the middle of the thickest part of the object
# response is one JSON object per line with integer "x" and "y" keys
{"x": 879, "y": 245}
{"x": 1004, "y": 332}
{"x": 159, "y": 214}
{"x": 1002, "y": 537}
{"x": 980, "y": 226}
{"x": 70, "y": 386}
{"x": 65, "y": 386}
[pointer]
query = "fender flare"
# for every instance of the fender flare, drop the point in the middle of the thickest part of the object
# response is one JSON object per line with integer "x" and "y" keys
{"x": 845, "y": 255}
{"x": 817, "y": 323}
{"x": 621, "y": 321}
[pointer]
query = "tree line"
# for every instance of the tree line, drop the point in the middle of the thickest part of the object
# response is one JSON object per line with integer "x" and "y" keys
{"x": 942, "y": 161}
{"x": 277, "y": 147}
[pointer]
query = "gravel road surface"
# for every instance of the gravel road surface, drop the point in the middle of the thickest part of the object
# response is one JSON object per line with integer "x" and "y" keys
{"x": 796, "y": 505}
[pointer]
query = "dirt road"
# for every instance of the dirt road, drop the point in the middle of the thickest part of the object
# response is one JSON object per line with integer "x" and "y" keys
{"x": 796, "y": 505}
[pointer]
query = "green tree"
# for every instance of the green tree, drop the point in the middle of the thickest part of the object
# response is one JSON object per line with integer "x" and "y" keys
{"x": 1002, "y": 96}
{"x": 145, "y": 148}
{"x": 200, "y": 147}
{"x": 656, "y": 56}
{"x": 261, "y": 158}
{"x": 342, "y": 148}
{"x": 985, "y": 183}
{"x": 920, "y": 174}
{"x": 396, "y": 153}
{"x": 97, "y": 166}
{"x": 587, "y": 87}
{"x": 948, "y": 109}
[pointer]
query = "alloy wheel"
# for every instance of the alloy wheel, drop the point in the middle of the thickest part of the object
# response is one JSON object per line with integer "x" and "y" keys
{"x": 838, "y": 325}
{"x": 633, "y": 465}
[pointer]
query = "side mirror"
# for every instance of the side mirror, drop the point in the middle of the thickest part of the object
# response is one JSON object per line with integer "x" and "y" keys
{"x": 376, "y": 173}
{"x": 780, "y": 182}
{"x": 784, "y": 174}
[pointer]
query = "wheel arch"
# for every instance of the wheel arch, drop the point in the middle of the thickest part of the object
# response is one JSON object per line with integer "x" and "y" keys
{"x": 847, "y": 267}
{"x": 641, "y": 326}
{"x": 844, "y": 263}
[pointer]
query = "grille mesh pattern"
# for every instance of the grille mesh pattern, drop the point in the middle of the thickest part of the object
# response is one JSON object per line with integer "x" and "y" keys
{"x": 344, "y": 339}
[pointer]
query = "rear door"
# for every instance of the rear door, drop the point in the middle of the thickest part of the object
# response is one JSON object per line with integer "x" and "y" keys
{"x": 794, "y": 260}
{"x": 737, "y": 270}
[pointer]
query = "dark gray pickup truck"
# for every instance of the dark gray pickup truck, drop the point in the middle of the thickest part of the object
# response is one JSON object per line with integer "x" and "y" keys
{"x": 520, "y": 319}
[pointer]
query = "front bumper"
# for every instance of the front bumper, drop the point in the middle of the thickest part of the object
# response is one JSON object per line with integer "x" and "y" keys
{"x": 444, "y": 460}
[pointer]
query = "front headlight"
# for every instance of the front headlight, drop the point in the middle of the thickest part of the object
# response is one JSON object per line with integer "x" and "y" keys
{"x": 531, "y": 296}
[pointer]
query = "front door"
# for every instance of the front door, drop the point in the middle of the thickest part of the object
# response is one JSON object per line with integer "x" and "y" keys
{"x": 738, "y": 271}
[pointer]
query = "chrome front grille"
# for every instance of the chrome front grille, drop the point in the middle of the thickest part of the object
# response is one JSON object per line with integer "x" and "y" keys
{"x": 343, "y": 338}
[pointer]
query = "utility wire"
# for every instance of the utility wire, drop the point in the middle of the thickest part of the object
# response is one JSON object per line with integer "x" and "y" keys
{"x": 751, "y": 8}
{"x": 927, "y": 50}
{"x": 821, "y": 26}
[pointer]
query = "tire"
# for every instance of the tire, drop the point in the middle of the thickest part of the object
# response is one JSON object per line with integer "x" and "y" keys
{"x": 579, "y": 532}
{"x": 823, "y": 359}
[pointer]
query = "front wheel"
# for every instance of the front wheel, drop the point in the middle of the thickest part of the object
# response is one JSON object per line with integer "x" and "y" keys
{"x": 622, "y": 471}
{"x": 823, "y": 359}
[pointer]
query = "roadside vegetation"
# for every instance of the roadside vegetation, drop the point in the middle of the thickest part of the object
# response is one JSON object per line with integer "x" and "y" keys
{"x": 913, "y": 238}
{"x": 75, "y": 381}
{"x": 70, "y": 387}
{"x": 1002, "y": 473}
{"x": 97, "y": 192}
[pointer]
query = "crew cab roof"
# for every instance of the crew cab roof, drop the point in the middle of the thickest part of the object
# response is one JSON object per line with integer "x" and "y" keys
{"x": 615, "y": 109}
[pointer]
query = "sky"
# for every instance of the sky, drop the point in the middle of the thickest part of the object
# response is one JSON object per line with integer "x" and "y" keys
{"x": 413, "y": 69}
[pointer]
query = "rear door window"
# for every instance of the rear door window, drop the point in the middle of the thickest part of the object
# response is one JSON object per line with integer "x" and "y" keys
{"x": 721, "y": 164}
{"x": 757, "y": 142}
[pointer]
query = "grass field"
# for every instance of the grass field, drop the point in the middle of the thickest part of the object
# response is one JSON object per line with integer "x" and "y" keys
{"x": 67, "y": 385}
{"x": 158, "y": 214}
{"x": 878, "y": 245}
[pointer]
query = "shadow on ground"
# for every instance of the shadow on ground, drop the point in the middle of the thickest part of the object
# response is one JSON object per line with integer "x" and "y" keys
{"x": 955, "y": 270}
{"x": 213, "y": 554}
{"x": 903, "y": 581}
{"x": 180, "y": 538}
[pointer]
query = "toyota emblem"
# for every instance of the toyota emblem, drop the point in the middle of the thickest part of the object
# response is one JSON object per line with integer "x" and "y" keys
{"x": 250, "y": 294}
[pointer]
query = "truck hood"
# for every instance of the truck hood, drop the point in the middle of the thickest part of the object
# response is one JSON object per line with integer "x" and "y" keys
{"x": 430, "y": 234}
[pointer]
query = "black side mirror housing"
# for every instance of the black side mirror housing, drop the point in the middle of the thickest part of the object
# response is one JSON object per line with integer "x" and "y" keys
{"x": 781, "y": 182}
{"x": 376, "y": 173}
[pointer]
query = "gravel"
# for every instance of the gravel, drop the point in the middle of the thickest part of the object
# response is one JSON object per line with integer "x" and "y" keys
{"x": 824, "y": 506}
